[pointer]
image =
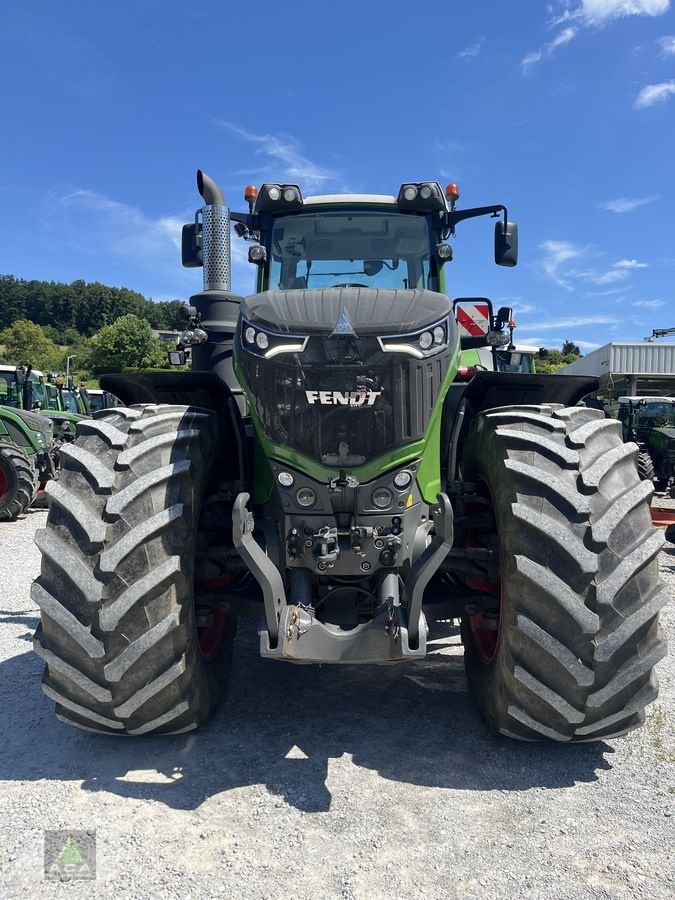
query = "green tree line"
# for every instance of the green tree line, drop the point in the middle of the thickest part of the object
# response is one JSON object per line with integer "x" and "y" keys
{"x": 69, "y": 311}
{"x": 126, "y": 343}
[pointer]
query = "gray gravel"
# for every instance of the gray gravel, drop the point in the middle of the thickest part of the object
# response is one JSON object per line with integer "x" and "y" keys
{"x": 324, "y": 782}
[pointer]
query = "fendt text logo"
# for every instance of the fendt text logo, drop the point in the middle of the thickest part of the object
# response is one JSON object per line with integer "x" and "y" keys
{"x": 343, "y": 398}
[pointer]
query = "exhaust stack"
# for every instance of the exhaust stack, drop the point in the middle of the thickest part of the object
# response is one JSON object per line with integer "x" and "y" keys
{"x": 215, "y": 235}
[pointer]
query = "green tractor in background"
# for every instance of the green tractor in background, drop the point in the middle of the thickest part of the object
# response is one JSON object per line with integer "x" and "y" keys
{"x": 27, "y": 449}
{"x": 323, "y": 470}
{"x": 35, "y": 392}
{"x": 650, "y": 422}
{"x": 477, "y": 324}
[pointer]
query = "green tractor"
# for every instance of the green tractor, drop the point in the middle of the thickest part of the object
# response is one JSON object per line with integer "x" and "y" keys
{"x": 34, "y": 392}
{"x": 321, "y": 470}
{"x": 27, "y": 456}
{"x": 487, "y": 342}
{"x": 650, "y": 422}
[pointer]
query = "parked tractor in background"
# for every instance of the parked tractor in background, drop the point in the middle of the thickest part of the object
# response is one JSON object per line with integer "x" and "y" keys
{"x": 650, "y": 422}
{"x": 321, "y": 470}
{"x": 28, "y": 458}
{"x": 98, "y": 400}
{"x": 475, "y": 321}
{"x": 31, "y": 390}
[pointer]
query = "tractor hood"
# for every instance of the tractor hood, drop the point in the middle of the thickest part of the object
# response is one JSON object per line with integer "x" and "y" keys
{"x": 359, "y": 311}
{"x": 343, "y": 376}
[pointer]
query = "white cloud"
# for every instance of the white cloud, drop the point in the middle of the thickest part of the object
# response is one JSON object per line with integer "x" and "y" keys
{"x": 630, "y": 264}
{"x": 547, "y": 49}
{"x": 610, "y": 292}
{"x": 589, "y": 14}
{"x": 599, "y": 12}
{"x": 649, "y": 304}
{"x": 122, "y": 229}
{"x": 472, "y": 50}
{"x": 610, "y": 277}
{"x": 667, "y": 45}
{"x": 654, "y": 93}
{"x": 284, "y": 152}
{"x": 556, "y": 254}
{"x": 626, "y": 205}
{"x": 559, "y": 255}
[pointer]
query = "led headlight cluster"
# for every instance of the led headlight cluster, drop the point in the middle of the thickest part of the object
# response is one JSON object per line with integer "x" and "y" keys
{"x": 267, "y": 343}
{"x": 422, "y": 196}
{"x": 278, "y": 198}
{"x": 419, "y": 344}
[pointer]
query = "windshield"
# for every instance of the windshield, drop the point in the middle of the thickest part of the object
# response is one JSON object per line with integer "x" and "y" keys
{"x": 656, "y": 414}
{"x": 520, "y": 363}
{"x": 69, "y": 401}
{"x": 9, "y": 390}
{"x": 348, "y": 248}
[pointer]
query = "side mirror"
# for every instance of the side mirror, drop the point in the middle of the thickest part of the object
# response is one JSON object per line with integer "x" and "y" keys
{"x": 506, "y": 243}
{"x": 543, "y": 353}
{"x": 191, "y": 246}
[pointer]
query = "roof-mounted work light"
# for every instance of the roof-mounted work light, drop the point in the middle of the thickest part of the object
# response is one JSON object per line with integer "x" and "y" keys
{"x": 421, "y": 197}
{"x": 278, "y": 198}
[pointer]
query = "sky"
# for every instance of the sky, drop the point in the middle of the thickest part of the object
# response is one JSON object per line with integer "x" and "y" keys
{"x": 562, "y": 111}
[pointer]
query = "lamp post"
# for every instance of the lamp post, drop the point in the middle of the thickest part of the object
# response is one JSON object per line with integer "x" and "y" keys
{"x": 68, "y": 359}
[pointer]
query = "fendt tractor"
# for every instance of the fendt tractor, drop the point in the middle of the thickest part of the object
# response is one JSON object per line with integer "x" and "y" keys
{"x": 321, "y": 470}
{"x": 650, "y": 422}
{"x": 28, "y": 451}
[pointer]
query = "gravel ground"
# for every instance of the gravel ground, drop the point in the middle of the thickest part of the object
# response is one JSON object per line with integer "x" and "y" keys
{"x": 328, "y": 782}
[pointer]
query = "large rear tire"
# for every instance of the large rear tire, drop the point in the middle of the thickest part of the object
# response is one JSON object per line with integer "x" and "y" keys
{"x": 568, "y": 652}
{"x": 118, "y": 626}
{"x": 18, "y": 481}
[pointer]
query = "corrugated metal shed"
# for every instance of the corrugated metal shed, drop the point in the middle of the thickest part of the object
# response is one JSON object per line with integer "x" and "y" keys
{"x": 641, "y": 367}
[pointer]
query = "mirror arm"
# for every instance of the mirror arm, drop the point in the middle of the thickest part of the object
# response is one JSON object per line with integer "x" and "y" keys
{"x": 458, "y": 215}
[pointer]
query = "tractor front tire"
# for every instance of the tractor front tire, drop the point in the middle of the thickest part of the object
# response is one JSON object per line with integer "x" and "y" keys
{"x": 18, "y": 481}
{"x": 118, "y": 628}
{"x": 568, "y": 652}
{"x": 645, "y": 465}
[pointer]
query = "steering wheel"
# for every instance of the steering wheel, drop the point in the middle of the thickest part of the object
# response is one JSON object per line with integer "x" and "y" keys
{"x": 349, "y": 284}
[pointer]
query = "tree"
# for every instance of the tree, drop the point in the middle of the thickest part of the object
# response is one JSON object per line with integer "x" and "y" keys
{"x": 569, "y": 347}
{"x": 26, "y": 344}
{"x": 127, "y": 343}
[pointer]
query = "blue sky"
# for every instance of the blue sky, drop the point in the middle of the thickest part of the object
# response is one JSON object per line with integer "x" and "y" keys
{"x": 563, "y": 111}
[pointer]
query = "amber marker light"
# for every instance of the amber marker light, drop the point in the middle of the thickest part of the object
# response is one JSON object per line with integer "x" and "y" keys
{"x": 452, "y": 193}
{"x": 250, "y": 195}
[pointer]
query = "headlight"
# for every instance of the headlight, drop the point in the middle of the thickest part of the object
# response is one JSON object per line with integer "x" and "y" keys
{"x": 40, "y": 438}
{"x": 269, "y": 344}
{"x": 402, "y": 479}
{"x": 419, "y": 344}
{"x": 285, "y": 479}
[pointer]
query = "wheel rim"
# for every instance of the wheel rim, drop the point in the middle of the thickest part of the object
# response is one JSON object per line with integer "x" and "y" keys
{"x": 210, "y": 637}
{"x": 485, "y": 627}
